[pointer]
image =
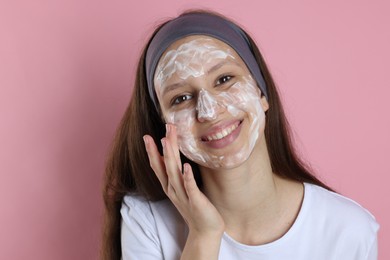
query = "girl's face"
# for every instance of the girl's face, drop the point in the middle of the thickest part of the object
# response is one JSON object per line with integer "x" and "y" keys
{"x": 207, "y": 92}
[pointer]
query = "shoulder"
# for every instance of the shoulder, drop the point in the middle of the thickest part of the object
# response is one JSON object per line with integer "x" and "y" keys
{"x": 134, "y": 206}
{"x": 145, "y": 224}
{"x": 137, "y": 217}
{"x": 134, "y": 202}
{"x": 157, "y": 217}
{"x": 340, "y": 211}
{"x": 139, "y": 209}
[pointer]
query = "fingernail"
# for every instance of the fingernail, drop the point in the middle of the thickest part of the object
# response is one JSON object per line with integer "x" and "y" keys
{"x": 167, "y": 127}
{"x": 163, "y": 143}
{"x": 146, "y": 140}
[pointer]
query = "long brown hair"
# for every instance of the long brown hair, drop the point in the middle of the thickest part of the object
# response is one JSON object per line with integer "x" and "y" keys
{"x": 128, "y": 169}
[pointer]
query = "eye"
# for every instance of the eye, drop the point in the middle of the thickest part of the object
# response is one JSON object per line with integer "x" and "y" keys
{"x": 224, "y": 79}
{"x": 178, "y": 100}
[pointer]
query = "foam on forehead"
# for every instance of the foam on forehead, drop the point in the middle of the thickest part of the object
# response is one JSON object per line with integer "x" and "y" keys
{"x": 187, "y": 59}
{"x": 200, "y": 24}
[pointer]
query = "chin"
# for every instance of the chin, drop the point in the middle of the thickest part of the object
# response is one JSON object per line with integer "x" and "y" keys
{"x": 221, "y": 162}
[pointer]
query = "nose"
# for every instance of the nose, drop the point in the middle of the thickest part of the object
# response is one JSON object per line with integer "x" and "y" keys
{"x": 207, "y": 106}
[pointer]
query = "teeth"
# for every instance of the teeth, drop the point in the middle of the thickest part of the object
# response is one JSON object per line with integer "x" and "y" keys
{"x": 222, "y": 134}
{"x": 226, "y": 132}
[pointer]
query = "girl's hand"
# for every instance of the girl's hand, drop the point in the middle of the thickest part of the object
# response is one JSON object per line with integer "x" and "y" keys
{"x": 202, "y": 218}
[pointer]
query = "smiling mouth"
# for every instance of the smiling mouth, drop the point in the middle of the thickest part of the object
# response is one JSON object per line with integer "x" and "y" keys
{"x": 222, "y": 133}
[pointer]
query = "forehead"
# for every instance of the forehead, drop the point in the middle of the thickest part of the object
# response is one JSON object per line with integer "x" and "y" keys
{"x": 184, "y": 46}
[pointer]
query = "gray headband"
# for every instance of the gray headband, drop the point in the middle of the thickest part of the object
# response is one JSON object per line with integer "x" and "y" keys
{"x": 200, "y": 24}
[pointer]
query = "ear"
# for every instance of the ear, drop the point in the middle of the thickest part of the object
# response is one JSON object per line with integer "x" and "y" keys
{"x": 264, "y": 103}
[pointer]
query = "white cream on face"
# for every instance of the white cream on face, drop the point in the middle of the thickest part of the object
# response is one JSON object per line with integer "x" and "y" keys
{"x": 240, "y": 102}
{"x": 188, "y": 60}
{"x": 207, "y": 106}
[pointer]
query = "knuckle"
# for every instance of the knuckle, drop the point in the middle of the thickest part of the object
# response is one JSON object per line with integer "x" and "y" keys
{"x": 170, "y": 191}
{"x": 154, "y": 165}
{"x": 172, "y": 195}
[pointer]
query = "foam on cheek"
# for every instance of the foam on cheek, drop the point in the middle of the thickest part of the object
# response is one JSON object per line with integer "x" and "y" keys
{"x": 184, "y": 121}
{"x": 243, "y": 98}
{"x": 250, "y": 100}
{"x": 188, "y": 142}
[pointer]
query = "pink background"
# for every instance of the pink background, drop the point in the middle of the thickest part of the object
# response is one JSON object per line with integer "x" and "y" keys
{"x": 66, "y": 71}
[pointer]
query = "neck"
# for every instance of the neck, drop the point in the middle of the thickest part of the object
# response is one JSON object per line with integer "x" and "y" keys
{"x": 244, "y": 188}
{"x": 250, "y": 196}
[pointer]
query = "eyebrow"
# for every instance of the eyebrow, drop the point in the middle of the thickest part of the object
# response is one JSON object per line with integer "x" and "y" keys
{"x": 172, "y": 87}
{"x": 211, "y": 70}
{"x": 220, "y": 64}
{"x": 216, "y": 66}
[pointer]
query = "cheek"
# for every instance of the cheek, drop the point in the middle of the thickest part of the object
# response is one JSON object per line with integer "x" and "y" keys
{"x": 241, "y": 97}
{"x": 184, "y": 121}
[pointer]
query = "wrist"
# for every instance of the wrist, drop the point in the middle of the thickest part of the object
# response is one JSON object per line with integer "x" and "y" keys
{"x": 202, "y": 245}
{"x": 210, "y": 235}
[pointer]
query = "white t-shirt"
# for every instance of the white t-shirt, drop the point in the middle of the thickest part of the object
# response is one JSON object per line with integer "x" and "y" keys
{"x": 329, "y": 226}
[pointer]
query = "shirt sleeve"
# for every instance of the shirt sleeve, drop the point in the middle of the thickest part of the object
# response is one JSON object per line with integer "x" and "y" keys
{"x": 373, "y": 253}
{"x": 139, "y": 239}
